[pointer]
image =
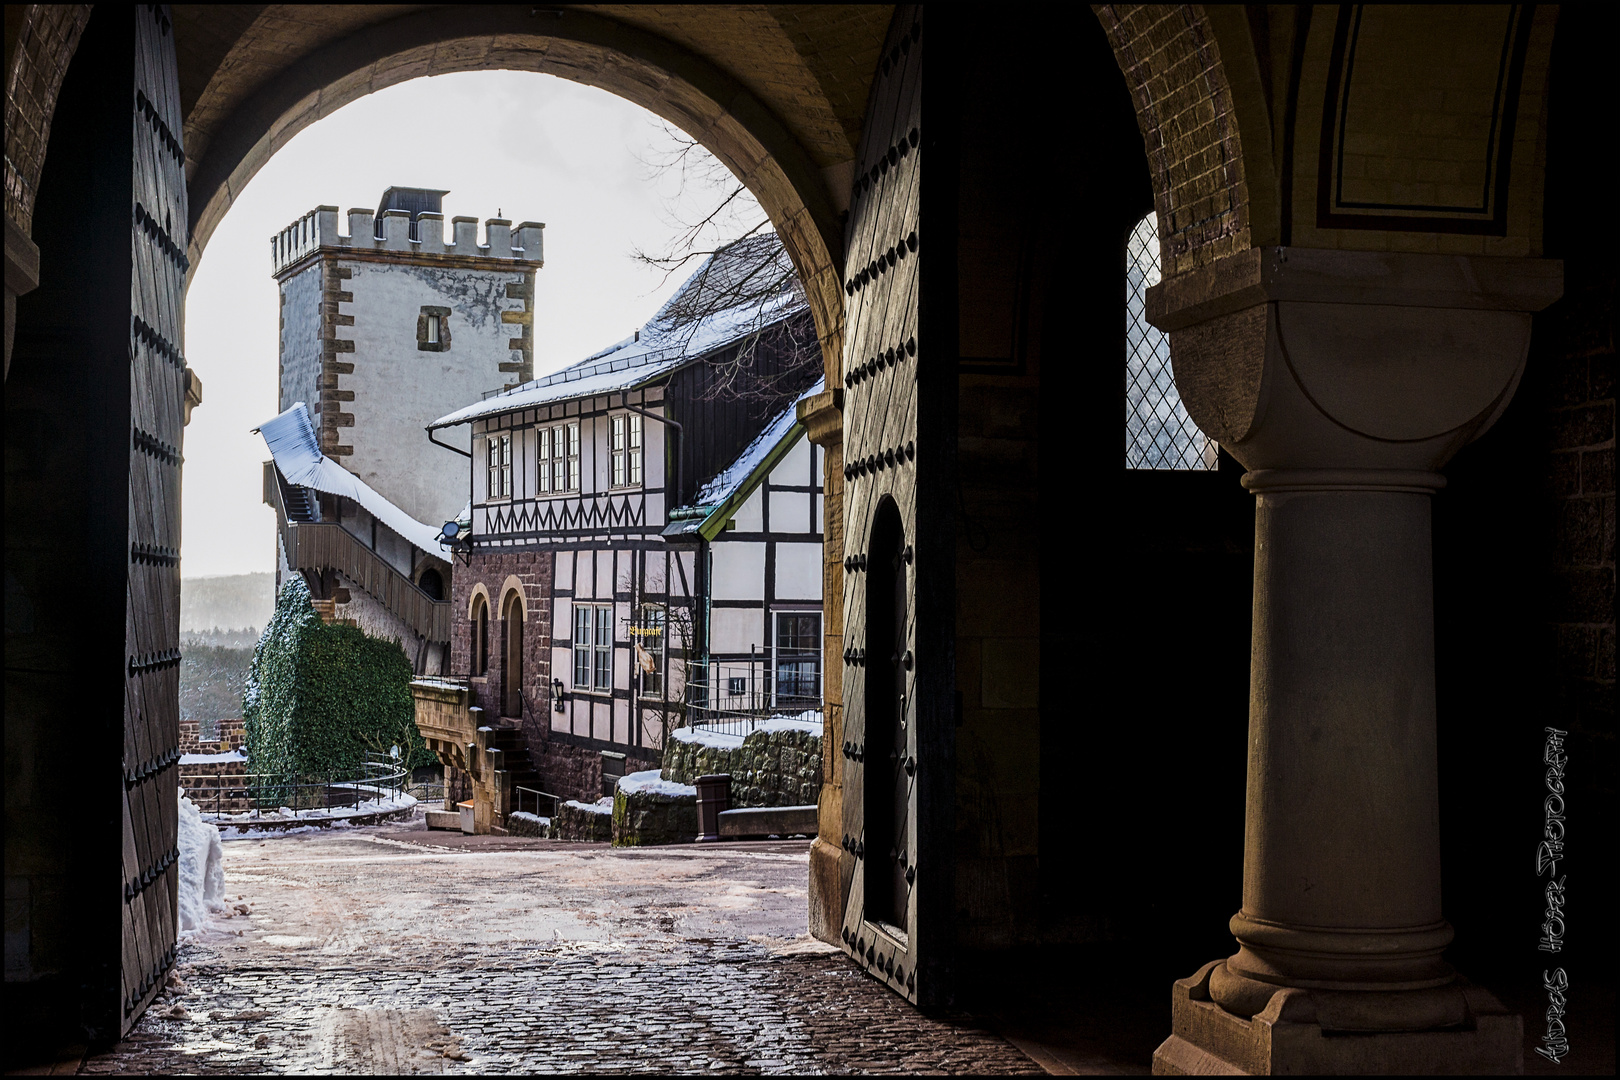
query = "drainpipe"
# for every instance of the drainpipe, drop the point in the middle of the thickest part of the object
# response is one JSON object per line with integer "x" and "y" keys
{"x": 680, "y": 484}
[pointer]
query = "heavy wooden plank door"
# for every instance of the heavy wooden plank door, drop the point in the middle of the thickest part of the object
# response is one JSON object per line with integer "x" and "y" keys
{"x": 157, "y": 387}
{"x": 899, "y": 386}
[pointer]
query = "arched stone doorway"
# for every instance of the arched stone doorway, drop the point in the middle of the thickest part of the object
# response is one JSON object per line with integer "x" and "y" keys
{"x": 512, "y": 618}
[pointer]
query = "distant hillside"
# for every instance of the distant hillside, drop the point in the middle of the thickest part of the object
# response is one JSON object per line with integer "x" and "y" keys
{"x": 229, "y": 602}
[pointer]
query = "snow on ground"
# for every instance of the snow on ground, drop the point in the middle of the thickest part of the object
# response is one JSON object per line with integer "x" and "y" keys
{"x": 604, "y": 805}
{"x": 808, "y": 721}
{"x": 212, "y": 759}
{"x": 202, "y": 870}
{"x": 652, "y": 781}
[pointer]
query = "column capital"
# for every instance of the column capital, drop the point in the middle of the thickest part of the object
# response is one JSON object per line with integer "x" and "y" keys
{"x": 1299, "y": 358}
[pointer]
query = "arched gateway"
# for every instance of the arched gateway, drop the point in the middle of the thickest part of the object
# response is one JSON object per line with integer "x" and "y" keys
{"x": 1025, "y": 638}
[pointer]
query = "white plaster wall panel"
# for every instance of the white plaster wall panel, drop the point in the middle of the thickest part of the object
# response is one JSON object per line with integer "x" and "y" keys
{"x": 560, "y": 721}
{"x": 684, "y": 569}
{"x": 399, "y": 389}
{"x": 374, "y": 618}
{"x": 735, "y": 630}
{"x": 562, "y": 621}
{"x": 821, "y": 514}
{"x": 585, "y": 575}
{"x": 795, "y": 466}
{"x": 790, "y": 512}
{"x": 798, "y": 571}
{"x": 605, "y": 574}
{"x": 621, "y": 658}
{"x": 621, "y": 722}
{"x": 750, "y": 516}
{"x": 562, "y": 574}
{"x": 655, "y": 510}
{"x": 301, "y": 340}
{"x": 739, "y": 571}
{"x": 652, "y": 454}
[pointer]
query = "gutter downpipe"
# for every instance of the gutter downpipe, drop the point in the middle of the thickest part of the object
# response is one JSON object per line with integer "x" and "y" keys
{"x": 455, "y": 449}
{"x": 680, "y": 478}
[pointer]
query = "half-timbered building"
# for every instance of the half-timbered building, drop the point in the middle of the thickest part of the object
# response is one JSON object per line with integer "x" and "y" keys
{"x": 650, "y": 509}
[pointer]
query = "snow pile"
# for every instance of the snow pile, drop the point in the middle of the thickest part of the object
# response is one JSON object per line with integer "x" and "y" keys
{"x": 212, "y": 759}
{"x": 202, "y": 870}
{"x": 652, "y": 782}
{"x": 604, "y": 805}
{"x": 704, "y": 737}
{"x": 524, "y": 815}
{"x": 808, "y": 721}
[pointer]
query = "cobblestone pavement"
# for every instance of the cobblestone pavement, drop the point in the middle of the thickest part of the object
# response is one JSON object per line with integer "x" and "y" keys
{"x": 387, "y": 950}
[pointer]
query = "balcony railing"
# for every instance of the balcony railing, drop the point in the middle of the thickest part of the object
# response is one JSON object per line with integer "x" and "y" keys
{"x": 736, "y": 697}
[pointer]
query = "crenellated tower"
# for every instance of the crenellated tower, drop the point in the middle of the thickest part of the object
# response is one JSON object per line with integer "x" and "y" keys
{"x": 390, "y": 326}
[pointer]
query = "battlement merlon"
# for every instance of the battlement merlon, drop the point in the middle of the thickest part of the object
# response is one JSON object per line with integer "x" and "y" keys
{"x": 318, "y": 230}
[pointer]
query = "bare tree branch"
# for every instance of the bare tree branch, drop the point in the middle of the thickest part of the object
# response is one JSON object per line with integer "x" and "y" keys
{"x": 745, "y": 280}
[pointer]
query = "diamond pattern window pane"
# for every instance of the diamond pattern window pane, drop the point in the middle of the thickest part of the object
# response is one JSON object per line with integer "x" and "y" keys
{"x": 1158, "y": 432}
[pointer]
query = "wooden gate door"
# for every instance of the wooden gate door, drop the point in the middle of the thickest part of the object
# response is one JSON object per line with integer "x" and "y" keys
{"x": 899, "y": 432}
{"x": 157, "y": 389}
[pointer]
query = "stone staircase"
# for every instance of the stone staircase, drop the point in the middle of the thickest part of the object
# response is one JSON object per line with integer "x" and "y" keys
{"x": 507, "y": 737}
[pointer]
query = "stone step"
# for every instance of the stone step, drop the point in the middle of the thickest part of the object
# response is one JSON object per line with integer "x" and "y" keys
{"x": 781, "y": 821}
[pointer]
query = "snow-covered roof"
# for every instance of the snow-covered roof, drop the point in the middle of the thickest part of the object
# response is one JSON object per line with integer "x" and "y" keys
{"x": 297, "y": 453}
{"x": 661, "y": 346}
{"x": 718, "y": 499}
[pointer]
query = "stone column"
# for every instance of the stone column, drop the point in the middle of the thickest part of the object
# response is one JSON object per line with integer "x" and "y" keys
{"x": 1344, "y": 381}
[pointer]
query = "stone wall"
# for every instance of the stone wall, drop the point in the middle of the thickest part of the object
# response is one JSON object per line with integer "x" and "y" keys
{"x": 533, "y": 569}
{"x": 651, "y": 810}
{"x": 575, "y": 772}
{"x": 577, "y": 821}
{"x": 767, "y": 768}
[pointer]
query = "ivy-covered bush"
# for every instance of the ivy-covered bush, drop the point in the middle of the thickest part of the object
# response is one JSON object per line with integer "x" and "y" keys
{"x": 320, "y": 697}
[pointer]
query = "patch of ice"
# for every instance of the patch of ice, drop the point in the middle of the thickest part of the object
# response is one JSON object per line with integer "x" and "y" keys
{"x": 202, "y": 869}
{"x": 652, "y": 782}
{"x": 212, "y": 759}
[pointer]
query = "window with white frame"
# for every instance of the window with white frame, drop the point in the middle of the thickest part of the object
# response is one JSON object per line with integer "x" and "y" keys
{"x": 593, "y": 647}
{"x": 498, "y": 471}
{"x": 625, "y": 447}
{"x": 558, "y": 458}
{"x": 1158, "y": 432}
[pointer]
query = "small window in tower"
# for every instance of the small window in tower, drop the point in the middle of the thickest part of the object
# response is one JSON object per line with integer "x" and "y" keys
{"x": 433, "y": 328}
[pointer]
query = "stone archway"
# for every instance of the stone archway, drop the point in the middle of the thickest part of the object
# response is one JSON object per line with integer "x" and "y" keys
{"x": 801, "y": 197}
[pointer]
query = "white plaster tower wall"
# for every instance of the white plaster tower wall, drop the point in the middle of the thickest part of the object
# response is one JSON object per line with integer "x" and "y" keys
{"x": 355, "y": 348}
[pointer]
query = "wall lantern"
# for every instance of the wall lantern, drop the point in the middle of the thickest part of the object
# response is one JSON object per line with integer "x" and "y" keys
{"x": 557, "y": 696}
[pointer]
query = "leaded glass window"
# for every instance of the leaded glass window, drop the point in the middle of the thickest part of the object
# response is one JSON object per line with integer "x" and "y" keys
{"x": 1158, "y": 432}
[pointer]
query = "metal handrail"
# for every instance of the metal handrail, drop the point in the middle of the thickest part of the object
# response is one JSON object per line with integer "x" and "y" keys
{"x": 519, "y": 792}
{"x": 378, "y": 779}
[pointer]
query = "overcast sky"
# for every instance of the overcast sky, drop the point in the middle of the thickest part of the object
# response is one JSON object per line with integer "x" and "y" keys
{"x": 534, "y": 147}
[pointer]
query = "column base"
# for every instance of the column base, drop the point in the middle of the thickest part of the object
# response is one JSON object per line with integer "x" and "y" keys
{"x": 1288, "y": 1036}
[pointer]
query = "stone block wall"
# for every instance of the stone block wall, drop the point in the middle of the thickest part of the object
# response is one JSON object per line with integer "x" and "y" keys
{"x": 656, "y": 812}
{"x": 769, "y": 768}
{"x": 491, "y": 571}
{"x": 588, "y": 822}
{"x": 575, "y": 772}
{"x": 230, "y": 735}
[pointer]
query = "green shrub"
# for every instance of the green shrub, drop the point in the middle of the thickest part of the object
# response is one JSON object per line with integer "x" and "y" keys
{"x": 320, "y": 697}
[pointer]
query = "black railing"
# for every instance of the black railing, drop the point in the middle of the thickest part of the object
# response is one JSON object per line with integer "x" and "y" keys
{"x": 379, "y": 779}
{"x": 737, "y": 697}
{"x": 522, "y": 797}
